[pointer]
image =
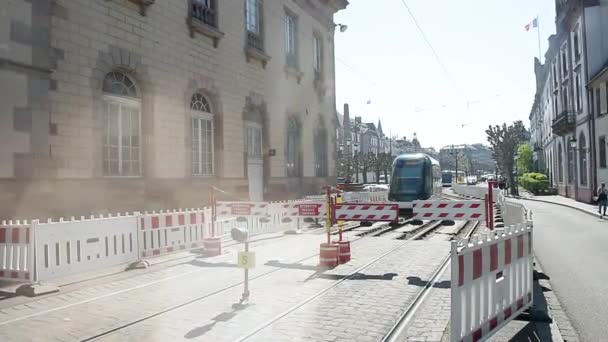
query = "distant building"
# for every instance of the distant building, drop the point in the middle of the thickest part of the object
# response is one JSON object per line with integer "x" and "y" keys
{"x": 480, "y": 157}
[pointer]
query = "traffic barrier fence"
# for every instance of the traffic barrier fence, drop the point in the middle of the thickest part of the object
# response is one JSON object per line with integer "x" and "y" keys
{"x": 449, "y": 210}
{"x": 491, "y": 282}
{"x": 16, "y": 250}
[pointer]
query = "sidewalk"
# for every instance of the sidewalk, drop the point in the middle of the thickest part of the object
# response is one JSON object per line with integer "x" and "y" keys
{"x": 560, "y": 200}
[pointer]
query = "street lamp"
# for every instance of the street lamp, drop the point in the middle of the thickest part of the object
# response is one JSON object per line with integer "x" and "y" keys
{"x": 356, "y": 149}
{"x": 573, "y": 143}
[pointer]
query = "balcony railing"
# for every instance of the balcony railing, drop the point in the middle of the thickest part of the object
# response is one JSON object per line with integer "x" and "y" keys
{"x": 255, "y": 41}
{"x": 207, "y": 14}
{"x": 564, "y": 123}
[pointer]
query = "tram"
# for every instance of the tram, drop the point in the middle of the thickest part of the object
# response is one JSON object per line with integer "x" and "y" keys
{"x": 414, "y": 176}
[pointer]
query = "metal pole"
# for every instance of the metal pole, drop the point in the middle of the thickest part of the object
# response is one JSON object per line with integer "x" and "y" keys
{"x": 329, "y": 210}
{"x": 246, "y": 282}
{"x": 490, "y": 204}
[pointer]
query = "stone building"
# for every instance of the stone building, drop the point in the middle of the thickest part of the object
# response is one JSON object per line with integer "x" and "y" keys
{"x": 120, "y": 105}
{"x": 570, "y": 102}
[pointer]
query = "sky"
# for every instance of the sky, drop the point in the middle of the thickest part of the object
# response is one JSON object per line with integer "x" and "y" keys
{"x": 486, "y": 59}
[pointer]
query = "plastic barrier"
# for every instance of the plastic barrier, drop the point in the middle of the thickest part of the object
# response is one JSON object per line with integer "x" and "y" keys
{"x": 242, "y": 208}
{"x": 367, "y": 212}
{"x": 449, "y": 210}
{"x": 164, "y": 233}
{"x": 16, "y": 251}
{"x": 491, "y": 282}
{"x": 69, "y": 247}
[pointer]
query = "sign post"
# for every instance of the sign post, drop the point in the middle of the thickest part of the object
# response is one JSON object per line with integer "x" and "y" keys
{"x": 340, "y": 223}
{"x": 328, "y": 222}
{"x": 245, "y": 259}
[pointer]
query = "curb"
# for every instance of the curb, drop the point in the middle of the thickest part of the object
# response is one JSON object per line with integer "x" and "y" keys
{"x": 560, "y": 204}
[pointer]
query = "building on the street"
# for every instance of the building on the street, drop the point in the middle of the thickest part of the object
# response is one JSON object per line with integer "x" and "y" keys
{"x": 566, "y": 117}
{"x": 129, "y": 105}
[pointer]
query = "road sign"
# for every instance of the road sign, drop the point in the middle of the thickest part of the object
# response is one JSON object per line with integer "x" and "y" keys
{"x": 246, "y": 260}
{"x": 309, "y": 209}
{"x": 242, "y": 208}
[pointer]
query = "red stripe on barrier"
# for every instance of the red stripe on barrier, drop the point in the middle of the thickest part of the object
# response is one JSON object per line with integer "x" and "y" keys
{"x": 357, "y": 216}
{"x": 507, "y": 251}
{"x": 351, "y": 207}
{"x": 460, "y": 270}
{"x": 14, "y": 274}
{"x": 3, "y": 235}
{"x": 169, "y": 249}
{"x": 192, "y": 218}
{"x": 143, "y": 225}
{"x": 442, "y": 205}
{"x": 520, "y": 246}
{"x": 181, "y": 219}
{"x": 477, "y": 335}
{"x": 371, "y": 217}
{"x": 476, "y": 215}
{"x": 507, "y": 313}
{"x": 443, "y": 215}
{"x": 493, "y": 257}
{"x": 458, "y": 205}
{"x": 155, "y": 222}
{"x": 380, "y": 207}
{"x": 459, "y": 215}
{"x": 477, "y": 264}
{"x": 427, "y": 205}
{"x": 27, "y": 275}
{"x": 15, "y": 235}
{"x": 156, "y": 252}
{"x": 493, "y": 323}
{"x": 262, "y": 205}
{"x": 474, "y": 205}
{"x": 385, "y": 217}
{"x": 365, "y": 207}
{"x": 428, "y": 214}
{"x": 520, "y": 303}
{"x": 169, "y": 220}
{"x": 202, "y": 217}
{"x": 343, "y": 216}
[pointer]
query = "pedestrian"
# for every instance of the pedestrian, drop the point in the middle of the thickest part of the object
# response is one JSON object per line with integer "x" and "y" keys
{"x": 602, "y": 199}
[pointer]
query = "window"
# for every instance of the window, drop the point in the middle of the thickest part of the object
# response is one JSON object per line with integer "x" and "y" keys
{"x": 317, "y": 52}
{"x": 579, "y": 98}
{"x": 121, "y": 126}
{"x": 565, "y": 99}
{"x": 554, "y": 76}
{"x": 320, "y": 146}
{"x": 253, "y": 15}
{"x": 205, "y": 11}
{"x": 291, "y": 34}
{"x": 570, "y": 162}
{"x": 602, "y": 151}
{"x": 598, "y": 102}
{"x": 202, "y": 136}
{"x": 254, "y": 141}
{"x": 564, "y": 65}
{"x": 293, "y": 148}
{"x": 576, "y": 43}
{"x": 560, "y": 163}
{"x": 582, "y": 159}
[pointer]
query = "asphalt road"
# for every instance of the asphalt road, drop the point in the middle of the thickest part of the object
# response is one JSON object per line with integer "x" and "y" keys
{"x": 572, "y": 248}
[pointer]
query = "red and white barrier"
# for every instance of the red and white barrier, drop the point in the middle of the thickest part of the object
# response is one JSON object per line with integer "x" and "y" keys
{"x": 16, "y": 251}
{"x": 449, "y": 210}
{"x": 164, "y": 233}
{"x": 242, "y": 209}
{"x": 491, "y": 282}
{"x": 367, "y": 212}
{"x": 69, "y": 247}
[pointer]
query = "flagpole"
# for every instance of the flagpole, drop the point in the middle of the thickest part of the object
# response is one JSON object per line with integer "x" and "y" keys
{"x": 538, "y": 31}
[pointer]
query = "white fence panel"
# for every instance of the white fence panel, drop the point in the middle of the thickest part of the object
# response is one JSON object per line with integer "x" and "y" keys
{"x": 164, "y": 233}
{"x": 69, "y": 247}
{"x": 16, "y": 251}
{"x": 491, "y": 282}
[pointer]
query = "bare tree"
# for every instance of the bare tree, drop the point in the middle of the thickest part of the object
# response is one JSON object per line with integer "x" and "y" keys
{"x": 504, "y": 141}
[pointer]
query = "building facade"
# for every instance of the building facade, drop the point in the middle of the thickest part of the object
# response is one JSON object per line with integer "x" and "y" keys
{"x": 568, "y": 101}
{"x": 135, "y": 105}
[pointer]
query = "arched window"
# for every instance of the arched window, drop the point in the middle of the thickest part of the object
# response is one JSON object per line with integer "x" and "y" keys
{"x": 582, "y": 159}
{"x": 560, "y": 163}
{"x": 320, "y": 148}
{"x": 202, "y": 135}
{"x": 121, "y": 126}
{"x": 293, "y": 148}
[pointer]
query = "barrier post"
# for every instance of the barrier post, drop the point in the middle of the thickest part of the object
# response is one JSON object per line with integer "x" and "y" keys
{"x": 340, "y": 223}
{"x": 213, "y": 210}
{"x": 487, "y": 209}
{"x": 329, "y": 210}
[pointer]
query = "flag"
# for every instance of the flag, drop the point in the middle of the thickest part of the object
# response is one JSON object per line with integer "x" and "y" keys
{"x": 532, "y": 24}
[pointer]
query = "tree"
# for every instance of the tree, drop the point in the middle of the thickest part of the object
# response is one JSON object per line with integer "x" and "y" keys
{"x": 524, "y": 162}
{"x": 365, "y": 162}
{"x": 504, "y": 140}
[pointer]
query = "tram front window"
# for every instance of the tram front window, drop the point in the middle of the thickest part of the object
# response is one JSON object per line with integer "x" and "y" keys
{"x": 407, "y": 178}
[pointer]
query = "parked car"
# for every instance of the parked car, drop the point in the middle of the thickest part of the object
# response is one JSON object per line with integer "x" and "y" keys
{"x": 375, "y": 187}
